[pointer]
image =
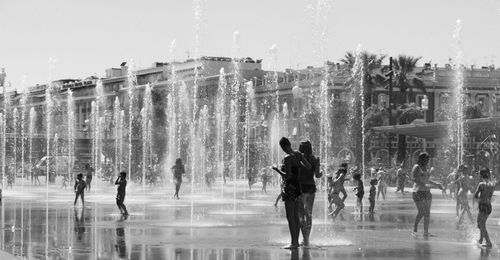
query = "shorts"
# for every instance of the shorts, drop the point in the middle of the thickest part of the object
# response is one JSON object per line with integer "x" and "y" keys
{"x": 335, "y": 199}
{"x": 422, "y": 196}
{"x": 308, "y": 188}
{"x": 485, "y": 208}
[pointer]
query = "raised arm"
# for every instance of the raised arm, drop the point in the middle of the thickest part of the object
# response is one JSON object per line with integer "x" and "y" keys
{"x": 117, "y": 182}
{"x": 317, "y": 167}
{"x": 478, "y": 191}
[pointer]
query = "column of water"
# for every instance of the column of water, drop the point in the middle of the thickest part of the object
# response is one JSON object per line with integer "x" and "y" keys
{"x": 204, "y": 134}
{"x": 118, "y": 133}
{"x": 324, "y": 104}
{"x": 31, "y": 133}
{"x": 273, "y": 51}
{"x": 146, "y": 132}
{"x": 132, "y": 81}
{"x": 172, "y": 129}
{"x": 120, "y": 140}
{"x": 49, "y": 103}
{"x": 249, "y": 108}
{"x": 220, "y": 117}
{"x": 56, "y": 154}
{"x": 93, "y": 126}
{"x": 458, "y": 95}
{"x": 233, "y": 125}
{"x": 24, "y": 98}
{"x": 71, "y": 131}
{"x": 99, "y": 128}
{"x": 14, "y": 146}
{"x": 6, "y": 104}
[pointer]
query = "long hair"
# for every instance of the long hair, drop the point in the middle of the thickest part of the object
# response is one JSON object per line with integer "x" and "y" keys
{"x": 423, "y": 158}
{"x": 305, "y": 147}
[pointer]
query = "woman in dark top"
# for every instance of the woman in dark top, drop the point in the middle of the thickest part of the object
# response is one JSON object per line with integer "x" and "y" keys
{"x": 308, "y": 190}
{"x": 178, "y": 170}
{"x": 292, "y": 163}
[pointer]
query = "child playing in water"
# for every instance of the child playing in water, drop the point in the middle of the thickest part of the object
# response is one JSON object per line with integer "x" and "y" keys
{"x": 336, "y": 186}
{"x": 463, "y": 186}
{"x": 371, "y": 197}
{"x": 484, "y": 192}
{"x": 79, "y": 188}
{"x": 359, "y": 191}
{"x": 120, "y": 196}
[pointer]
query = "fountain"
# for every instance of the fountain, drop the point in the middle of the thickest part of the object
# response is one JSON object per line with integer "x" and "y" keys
{"x": 456, "y": 128}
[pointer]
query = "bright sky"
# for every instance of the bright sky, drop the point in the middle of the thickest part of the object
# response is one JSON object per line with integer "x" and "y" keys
{"x": 88, "y": 36}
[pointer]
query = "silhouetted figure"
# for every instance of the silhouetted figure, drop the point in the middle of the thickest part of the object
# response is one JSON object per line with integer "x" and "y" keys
{"x": 292, "y": 163}
{"x": 371, "y": 196}
{"x": 178, "y": 171}
{"x": 79, "y": 189}
{"x": 484, "y": 192}
{"x": 401, "y": 178}
{"x": 359, "y": 191}
{"x": 88, "y": 179}
{"x": 335, "y": 187}
{"x": 121, "y": 181}
{"x": 308, "y": 190}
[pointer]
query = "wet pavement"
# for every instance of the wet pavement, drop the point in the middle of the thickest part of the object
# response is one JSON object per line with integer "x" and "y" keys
{"x": 219, "y": 224}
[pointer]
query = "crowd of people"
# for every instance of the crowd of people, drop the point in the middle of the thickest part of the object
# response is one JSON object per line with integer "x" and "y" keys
{"x": 299, "y": 168}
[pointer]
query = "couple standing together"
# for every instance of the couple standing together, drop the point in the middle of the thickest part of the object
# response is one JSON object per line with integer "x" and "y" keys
{"x": 298, "y": 189}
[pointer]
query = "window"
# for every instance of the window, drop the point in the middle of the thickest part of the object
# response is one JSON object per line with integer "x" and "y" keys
{"x": 383, "y": 100}
{"x": 444, "y": 99}
{"x": 497, "y": 102}
{"x": 482, "y": 103}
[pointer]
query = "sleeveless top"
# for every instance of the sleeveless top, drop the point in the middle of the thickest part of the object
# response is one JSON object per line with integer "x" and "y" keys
{"x": 420, "y": 177}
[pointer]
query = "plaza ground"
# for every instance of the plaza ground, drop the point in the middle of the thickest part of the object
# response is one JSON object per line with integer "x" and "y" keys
{"x": 219, "y": 224}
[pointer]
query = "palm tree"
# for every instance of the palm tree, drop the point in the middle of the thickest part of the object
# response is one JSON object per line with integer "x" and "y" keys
{"x": 371, "y": 65}
{"x": 405, "y": 81}
{"x": 403, "y": 68}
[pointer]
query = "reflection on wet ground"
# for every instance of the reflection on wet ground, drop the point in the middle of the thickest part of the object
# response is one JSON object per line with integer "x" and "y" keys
{"x": 41, "y": 225}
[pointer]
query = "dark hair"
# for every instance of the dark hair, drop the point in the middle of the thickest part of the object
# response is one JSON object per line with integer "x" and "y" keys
{"x": 356, "y": 176}
{"x": 485, "y": 173}
{"x": 178, "y": 161}
{"x": 343, "y": 165}
{"x": 79, "y": 176}
{"x": 373, "y": 181}
{"x": 423, "y": 157}
{"x": 305, "y": 147}
{"x": 284, "y": 142}
{"x": 123, "y": 174}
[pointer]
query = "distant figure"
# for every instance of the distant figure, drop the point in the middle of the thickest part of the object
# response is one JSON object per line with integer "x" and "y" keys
{"x": 178, "y": 171}
{"x": 382, "y": 185}
{"x": 484, "y": 192}
{"x": 79, "y": 189}
{"x": 89, "y": 170}
{"x": 65, "y": 181}
{"x": 401, "y": 178}
{"x": 120, "y": 195}
{"x": 359, "y": 191}
{"x": 265, "y": 179}
{"x": 422, "y": 192}
{"x": 371, "y": 196}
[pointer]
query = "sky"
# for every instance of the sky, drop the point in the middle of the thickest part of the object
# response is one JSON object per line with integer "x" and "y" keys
{"x": 85, "y": 37}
